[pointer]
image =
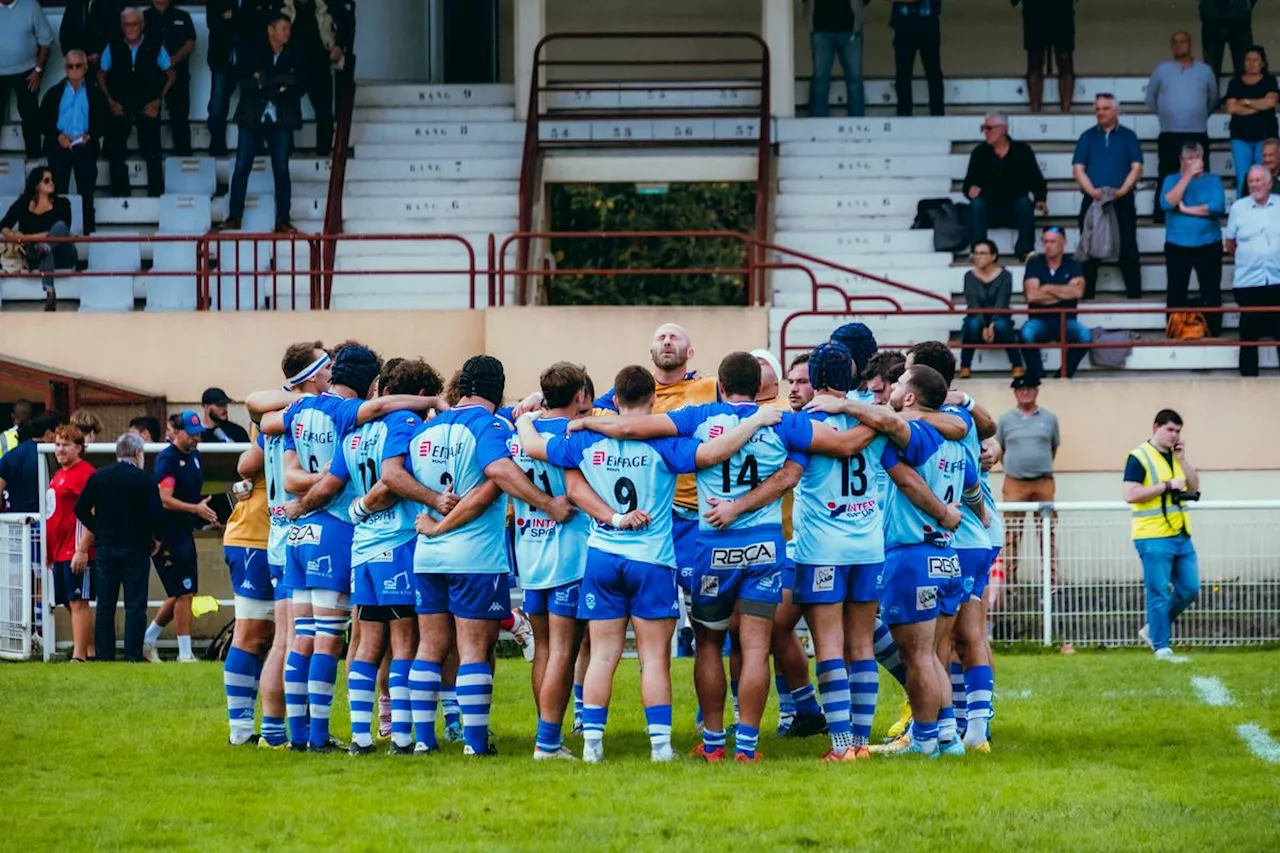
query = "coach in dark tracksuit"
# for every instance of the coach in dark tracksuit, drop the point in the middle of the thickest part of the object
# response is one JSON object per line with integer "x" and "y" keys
{"x": 135, "y": 74}
{"x": 173, "y": 27}
{"x": 121, "y": 508}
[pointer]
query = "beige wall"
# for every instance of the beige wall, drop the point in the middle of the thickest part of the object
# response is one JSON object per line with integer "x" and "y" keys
{"x": 980, "y": 37}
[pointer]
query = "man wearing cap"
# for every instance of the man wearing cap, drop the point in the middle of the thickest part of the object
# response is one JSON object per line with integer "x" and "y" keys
{"x": 180, "y": 480}
{"x": 216, "y": 425}
{"x": 1028, "y": 437}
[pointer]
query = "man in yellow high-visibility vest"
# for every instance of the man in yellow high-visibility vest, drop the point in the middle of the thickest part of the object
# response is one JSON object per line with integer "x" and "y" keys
{"x": 1158, "y": 480}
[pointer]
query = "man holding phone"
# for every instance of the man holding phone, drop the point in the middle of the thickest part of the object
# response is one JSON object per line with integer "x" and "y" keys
{"x": 73, "y": 115}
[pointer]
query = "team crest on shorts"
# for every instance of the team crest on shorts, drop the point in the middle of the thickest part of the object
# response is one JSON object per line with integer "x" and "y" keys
{"x": 590, "y": 601}
{"x": 824, "y": 579}
{"x": 926, "y": 597}
{"x": 710, "y": 586}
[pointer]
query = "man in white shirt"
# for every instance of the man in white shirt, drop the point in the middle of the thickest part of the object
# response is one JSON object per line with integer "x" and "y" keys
{"x": 1253, "y": 236}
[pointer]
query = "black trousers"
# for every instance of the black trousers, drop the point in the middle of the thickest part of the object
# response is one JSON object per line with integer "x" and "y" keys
{"x": 319, "y": 86}
{"x": 1127, "y": 221}
{"x": 28, "y": 110}
{"x": 1169, "y": 154}
{"x": 927, "y": 43}
{"x": 1206, "y": 261}
{"x": 1254, "y": 326}
{"x": 178, "y": 103}
{"x": 1217, "y": 35}
{"x": 148, "y": 145}
{"x": 83, "y": 162}
{"x": 132, "y": 570}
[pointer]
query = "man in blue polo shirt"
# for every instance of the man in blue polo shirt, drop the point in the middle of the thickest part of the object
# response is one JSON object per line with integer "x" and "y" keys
{"x": 1108, "y": 156}
{"x": 1053, "y": 281}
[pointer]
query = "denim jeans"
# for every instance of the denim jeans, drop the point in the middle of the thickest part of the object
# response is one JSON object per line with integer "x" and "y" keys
{"x": 279, "y": 146}
{"x": 1044, "y": 330}
{"x": 971, "y": 333}
{"x": 1168, "y": 564}
{"x": 1020, "y": 214}
{"x": 47, "y": 257}
{"x": 828, "y": 45}
{"x": 1243, "y": 155}
{"x": 221, "y": 87}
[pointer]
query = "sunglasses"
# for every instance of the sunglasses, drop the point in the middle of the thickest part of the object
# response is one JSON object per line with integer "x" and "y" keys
{"x": 73, "y": 65}
{"x": 987, "y": 127}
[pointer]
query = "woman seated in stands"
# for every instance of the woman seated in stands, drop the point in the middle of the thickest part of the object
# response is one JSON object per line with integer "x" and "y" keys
{"x": 41, "y": 212}
{"x": 988, "y": 286}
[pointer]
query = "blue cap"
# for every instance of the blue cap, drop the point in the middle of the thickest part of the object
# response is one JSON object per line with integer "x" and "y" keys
{"x": 191, "y": 424}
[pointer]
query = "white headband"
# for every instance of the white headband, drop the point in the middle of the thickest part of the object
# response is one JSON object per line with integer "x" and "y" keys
{"x": 307, "y": 372}
{"x": 768, "y": 358}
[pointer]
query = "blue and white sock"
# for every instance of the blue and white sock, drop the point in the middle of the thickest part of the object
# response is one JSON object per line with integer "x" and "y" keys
{"x": 864, "y": 683}
{"x": 733, "y": 691}
{"x": 240, "y": 680}
{"x": 745, "y": 740}
{"x": 833, "y": 687}
{"x": 424, "y": 692}
{"x": 658, "y": 720}
{"x": 711, "y": 741}
{"x": 979, "y": 682}
{"x": 887, "y": 653}
{"x": 449, "y": 699}
{"x": 296, "y": 668}
{"x": 786, "y": 703}
{"x": 362, "y": 680}
{"x": 273, "y": 731}
{"x": 401, "y": 708}
{"x": 958, "y": 699}
{"x": 946, "y": 724}
{"x": 805, "y": 701}
{"x": 321, "y": 677}
{"x": 475, "y": 694}
{"x": 577, "y": 702}
{"x": 550, "y": 736}
{"x": 594, "y": 718}
{"x": 926, "y": 735}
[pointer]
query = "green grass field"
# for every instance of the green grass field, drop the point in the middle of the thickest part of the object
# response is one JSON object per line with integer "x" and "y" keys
{"x": 1102, "y": 751}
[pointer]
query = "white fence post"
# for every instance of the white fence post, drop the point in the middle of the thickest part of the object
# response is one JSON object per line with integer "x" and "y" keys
{"x": 48, "y": 632}
{"x": 1046, "y": 569}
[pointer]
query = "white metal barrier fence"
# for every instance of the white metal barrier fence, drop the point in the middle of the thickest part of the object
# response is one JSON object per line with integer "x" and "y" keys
{"x": 1078, "y": 579}
{"x": 19, "y": 561}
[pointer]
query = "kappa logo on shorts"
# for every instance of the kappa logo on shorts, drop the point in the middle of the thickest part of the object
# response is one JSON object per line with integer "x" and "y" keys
{"x": 590, "y": 601}
{"x": 303, "y": 534}
{"x": 944, "y": 567}
{"x": 755, "y": 554}
{"x": 824, "y": 579}
{"x": 497, "y": 607}
{"x": 926, "y": 597}
{"x": 709, "y": 586}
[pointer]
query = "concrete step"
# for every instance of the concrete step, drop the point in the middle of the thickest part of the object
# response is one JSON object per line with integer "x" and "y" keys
{"x": 427, "y": 94}
{"x": 430, "y": 131}
{"x": 568, "y": 130}
{"x": 443, "y": 169}
{"x": 417, "y": 115}
{"x": 864, "y": 148}
{"x": 441, "y": 224}
{"x": 389, "y": 188}
{"x": 418, "y": 207}
{"x": 435, "y": 150}
{"x": 915, "y": 187}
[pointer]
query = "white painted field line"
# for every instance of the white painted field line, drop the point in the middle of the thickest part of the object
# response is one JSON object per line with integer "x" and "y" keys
{"x": 1212, "y": 691}
{"x": 1260, "y": 743}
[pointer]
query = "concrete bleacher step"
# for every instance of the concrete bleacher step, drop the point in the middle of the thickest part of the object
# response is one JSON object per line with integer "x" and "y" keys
{"x": 415, "y": 248}
{"x": 827, "y": 244}
{"x": 501, "y": 225}
{"x": 472, "y": 150}
{"x": 1220, "y": 357}
{"x": 430, "y": 206}
{"x": 915, "y": 186}
{"x": 995, "y": 91}
{"x": 565, "y": 130}
{"x": 398, "y": 114}
{"x": 427, "y": 94}
{"x": 429, "y": 131}
{"x": 966, "y": 128}
{"x": 393, "y": 189}
{"x": 460, "y": 169}
{"x": 856, "y": 148}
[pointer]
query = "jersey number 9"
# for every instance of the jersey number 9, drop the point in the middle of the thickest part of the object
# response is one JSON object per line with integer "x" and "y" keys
{"x": 625, "y": 492}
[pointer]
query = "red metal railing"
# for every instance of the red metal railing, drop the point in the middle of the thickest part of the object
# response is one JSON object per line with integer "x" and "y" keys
{"x": 758, "y": 68}
{"x": 338, "y": 172}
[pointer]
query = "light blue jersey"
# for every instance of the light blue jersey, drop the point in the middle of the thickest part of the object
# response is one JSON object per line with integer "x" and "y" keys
{"x": 273, "y": 471}
{"x": 453, "y": 449}
{"x": 995, "y": 533}
{"x": 630, "y": 475}
{"x": 757, "y": 460}
{"x": 970, "y": 533}
{"x": 313, "y": 426}
{"x": 360, "y": 464}
{"x": 548, "y": 553}
{"x": 861, "y": 396}
{"x": 941, "y": 463}
{"x": 838, "y": 515}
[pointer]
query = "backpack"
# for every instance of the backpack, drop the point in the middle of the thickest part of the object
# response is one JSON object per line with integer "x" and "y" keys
{"x": 1186, "y": 326}
{"x": 949, "y": 221}
{"x": 1116, "y": 349}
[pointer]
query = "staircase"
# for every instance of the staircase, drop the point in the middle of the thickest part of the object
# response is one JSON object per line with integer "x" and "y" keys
{"x": 426, "y": 159}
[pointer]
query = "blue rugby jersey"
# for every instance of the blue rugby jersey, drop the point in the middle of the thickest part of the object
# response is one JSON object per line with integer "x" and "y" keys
{"x": 941, "y": 463}
{"x": 273, "y": 471}
{"x": 970, "y": 533}
{"x": 313, "y": 427}
{"x": 548, "y": 553}
{"x": 360, "y": 463}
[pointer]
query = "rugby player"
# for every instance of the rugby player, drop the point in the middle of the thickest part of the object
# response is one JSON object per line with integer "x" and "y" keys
{"x": 631, "y": 556}
{"x": 459, "y": 559}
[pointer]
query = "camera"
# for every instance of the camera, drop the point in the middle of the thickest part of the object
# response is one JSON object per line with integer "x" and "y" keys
{"x": 1178, "y": 496}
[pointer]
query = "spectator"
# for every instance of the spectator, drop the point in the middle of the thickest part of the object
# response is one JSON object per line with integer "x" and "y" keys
{"x": 25, "y": 36}
{"x": 1028, "y": 437}
{"x": 988, "y": 285}
{"x": 1108, "y": 156}
{"x": 120, "y": 508}
{"x": 270, "y": 110}
{"x": 217, "y": 425}
{"x": 315, "y": 38}
{"x": 1195, "y": 202}
{"x": 88, "y": 423}
{"x": 18, "y": 415}
{"x": 19, "y": 474}
{"x": 835, "y": 32}
{"x": 90, "y": 25}
{"x": 1004, "y": 185}
{"x": 917, "y": 28}
{"x": 1271, "y": 160}
{"x": 174, "y": 29}
{"x": 1226, "y": 23}
{"x": 74, "y": 115}
{"x": 1157, "y": 478}
{"x": 1253, "y": 237}
{"x": 1251, "y": 102}
{"x": 1049, "y": 25}
{"x": 136, "y": 75}
{"x": 41, "y": 212}
{"x": 147, "y": 428}
{"x": 71, "y": 560}
{"x": 1183, "y": 92}
{"x": 1053, "y": 283}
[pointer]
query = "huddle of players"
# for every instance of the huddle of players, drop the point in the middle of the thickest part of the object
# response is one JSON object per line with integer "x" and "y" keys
{"x": 398, "y": 505}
